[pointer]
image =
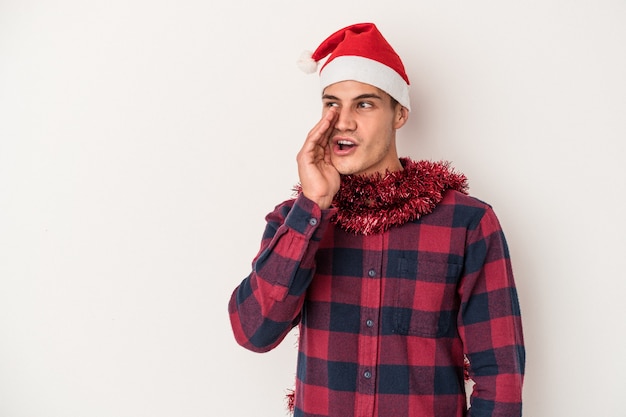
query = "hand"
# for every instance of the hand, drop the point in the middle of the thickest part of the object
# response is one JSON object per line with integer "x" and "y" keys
{"x": 319, "y": 178}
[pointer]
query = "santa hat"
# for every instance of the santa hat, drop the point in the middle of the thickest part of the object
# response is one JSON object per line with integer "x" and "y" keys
{"x": 360, "y": 53}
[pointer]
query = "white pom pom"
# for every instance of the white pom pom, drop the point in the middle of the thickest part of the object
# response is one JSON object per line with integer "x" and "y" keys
{"x": 306, "y": 63}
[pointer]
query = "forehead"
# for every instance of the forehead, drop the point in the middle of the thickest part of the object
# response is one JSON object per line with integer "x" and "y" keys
{"x": 348, "y": 90}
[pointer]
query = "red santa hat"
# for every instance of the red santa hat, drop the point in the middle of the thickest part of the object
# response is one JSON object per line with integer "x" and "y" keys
{"x": 360, "y": 53}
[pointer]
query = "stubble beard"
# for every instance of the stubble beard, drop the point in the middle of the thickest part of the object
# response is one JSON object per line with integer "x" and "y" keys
{"x": 361, "y": 163}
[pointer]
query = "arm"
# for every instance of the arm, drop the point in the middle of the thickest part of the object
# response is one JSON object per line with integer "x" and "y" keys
{"x": 490, "y": 323}
{"x": 267, "y": 303}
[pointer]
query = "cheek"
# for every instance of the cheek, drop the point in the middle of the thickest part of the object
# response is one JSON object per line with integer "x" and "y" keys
{"x": 380, "y": 130}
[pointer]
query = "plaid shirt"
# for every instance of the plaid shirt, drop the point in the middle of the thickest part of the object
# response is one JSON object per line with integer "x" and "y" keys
{"x": 386, "y": 320}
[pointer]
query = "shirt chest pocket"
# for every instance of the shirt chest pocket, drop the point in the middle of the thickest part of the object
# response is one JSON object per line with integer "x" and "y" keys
{"x": 423, "y": 298}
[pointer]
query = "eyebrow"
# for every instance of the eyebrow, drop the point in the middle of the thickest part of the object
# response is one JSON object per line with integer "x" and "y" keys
{"x": 361, "y": 97}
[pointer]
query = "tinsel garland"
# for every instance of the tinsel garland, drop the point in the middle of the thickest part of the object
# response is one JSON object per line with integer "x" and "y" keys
{"x": 371, "y": 204}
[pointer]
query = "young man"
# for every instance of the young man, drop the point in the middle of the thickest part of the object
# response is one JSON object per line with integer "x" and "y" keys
{"x": 399, "y": 281}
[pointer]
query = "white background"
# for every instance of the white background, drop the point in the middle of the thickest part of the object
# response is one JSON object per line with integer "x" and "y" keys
{"x": 143, "y": 142}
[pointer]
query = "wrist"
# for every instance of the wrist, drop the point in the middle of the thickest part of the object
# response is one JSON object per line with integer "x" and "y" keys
{"x": 323, "y": 202}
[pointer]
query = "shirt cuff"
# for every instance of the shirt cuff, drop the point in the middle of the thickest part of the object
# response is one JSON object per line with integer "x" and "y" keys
{"x": 307, "y": 218}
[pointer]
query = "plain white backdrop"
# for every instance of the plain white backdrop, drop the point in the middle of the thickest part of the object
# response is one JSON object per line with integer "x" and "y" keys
{"x": 143, "y": 142}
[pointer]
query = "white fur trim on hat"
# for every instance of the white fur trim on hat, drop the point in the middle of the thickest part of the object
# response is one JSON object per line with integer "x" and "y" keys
{"x": 368, "y": 71}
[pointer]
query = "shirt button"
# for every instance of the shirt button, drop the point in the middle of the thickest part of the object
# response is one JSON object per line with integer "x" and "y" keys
{"x": 369, "y": 323}
{"x": 371, "y": 273}
{"x": 367, "y": 374}
{"x": 313, "y": 221}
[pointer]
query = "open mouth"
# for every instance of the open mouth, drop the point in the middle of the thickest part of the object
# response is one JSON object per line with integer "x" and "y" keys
{"x": 345, "y": 145}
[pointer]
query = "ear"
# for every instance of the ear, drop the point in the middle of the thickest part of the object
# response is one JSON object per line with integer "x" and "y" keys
{"x": 400, "y": 117}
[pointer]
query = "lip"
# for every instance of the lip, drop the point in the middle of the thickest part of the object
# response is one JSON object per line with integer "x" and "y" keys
{"x": 344, "y": 146}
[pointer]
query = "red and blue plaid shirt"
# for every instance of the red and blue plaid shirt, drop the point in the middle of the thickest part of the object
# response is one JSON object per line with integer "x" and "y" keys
{"x": 386, "y": 320}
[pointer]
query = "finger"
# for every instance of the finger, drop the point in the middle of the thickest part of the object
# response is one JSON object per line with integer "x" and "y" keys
{"x": 327, "y": 152}
{"x": 326, "y": 119}
{"x": 321, "y": 131}
{"x": 331, "y": 126}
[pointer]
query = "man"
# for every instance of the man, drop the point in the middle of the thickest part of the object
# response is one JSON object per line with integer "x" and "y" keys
{"x": 399, "y": 281}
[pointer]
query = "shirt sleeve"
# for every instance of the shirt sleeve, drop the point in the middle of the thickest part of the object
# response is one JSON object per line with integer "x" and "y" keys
{"x": 490, "y": 322}
{"x": 267, "y": 303}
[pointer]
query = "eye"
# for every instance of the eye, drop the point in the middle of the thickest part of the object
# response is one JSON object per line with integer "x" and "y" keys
{"x": 330, "y": 104}
{"x": 365, "y": 105}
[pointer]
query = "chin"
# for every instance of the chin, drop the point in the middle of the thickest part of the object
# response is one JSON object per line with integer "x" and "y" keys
{"x": 344, "y": 167}
{"x": 345, "y": 170}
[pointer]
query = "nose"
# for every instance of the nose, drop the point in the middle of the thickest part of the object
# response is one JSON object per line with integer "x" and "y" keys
{"x": 345, "y": 120}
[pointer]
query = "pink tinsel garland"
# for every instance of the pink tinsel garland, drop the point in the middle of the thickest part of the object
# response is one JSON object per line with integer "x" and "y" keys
{"x": 372, "y": 204}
